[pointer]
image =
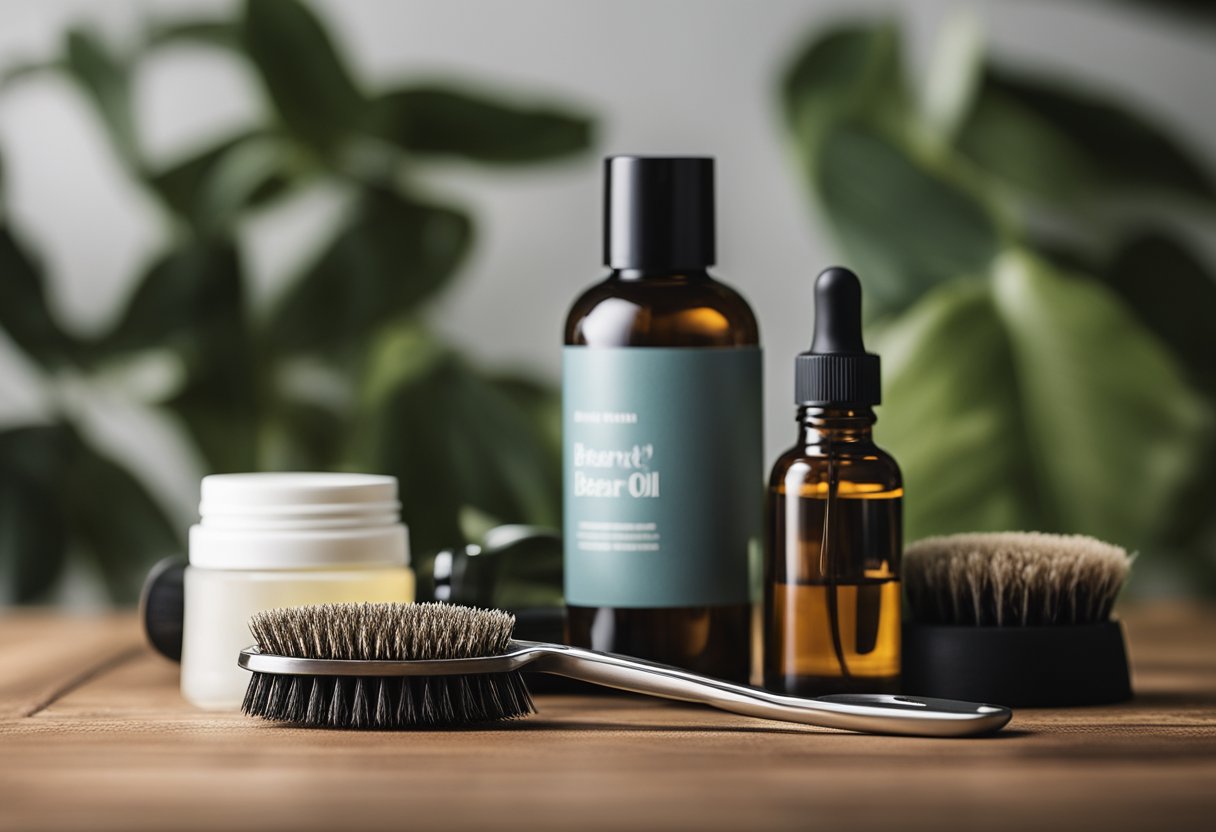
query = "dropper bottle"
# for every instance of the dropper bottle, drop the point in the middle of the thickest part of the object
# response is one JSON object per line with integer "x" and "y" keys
{"x": 832, "y": 594}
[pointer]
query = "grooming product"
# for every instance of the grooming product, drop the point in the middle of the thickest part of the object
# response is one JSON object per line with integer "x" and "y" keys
{"x": 832, "y": 596}
{"x": 1021, "y": 618}
{"x": 405, "y": 665}
{"x": 662, "y": 433}
{"x": 274, "y": 540}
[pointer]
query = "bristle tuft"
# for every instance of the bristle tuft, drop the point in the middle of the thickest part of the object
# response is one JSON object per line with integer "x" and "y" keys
{"x": 1013, "y": 579}
{"x": 388, "y": 632}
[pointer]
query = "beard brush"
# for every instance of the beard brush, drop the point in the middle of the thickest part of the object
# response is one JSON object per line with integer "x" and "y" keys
{"x": 393, "y": 666}
{"x": 1021, "y": 618}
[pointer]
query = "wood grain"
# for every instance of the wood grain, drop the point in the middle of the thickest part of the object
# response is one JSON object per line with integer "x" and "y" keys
{"x": 93, "y": 734}
{"x": 43, "y": 655}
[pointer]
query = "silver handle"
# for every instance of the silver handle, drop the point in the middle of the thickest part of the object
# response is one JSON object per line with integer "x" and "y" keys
{"x": 872, "y": 713}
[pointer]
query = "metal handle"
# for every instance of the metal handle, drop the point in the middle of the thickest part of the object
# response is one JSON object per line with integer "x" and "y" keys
{"x": 873, "y": 713}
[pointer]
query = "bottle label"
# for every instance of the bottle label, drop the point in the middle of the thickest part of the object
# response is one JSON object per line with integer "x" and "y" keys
{"x": 663, "y": 477}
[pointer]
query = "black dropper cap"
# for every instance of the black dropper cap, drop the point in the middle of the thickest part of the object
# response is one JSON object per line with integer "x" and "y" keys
{"x": 658, "y": 212}
{"x": 837, "y": 371}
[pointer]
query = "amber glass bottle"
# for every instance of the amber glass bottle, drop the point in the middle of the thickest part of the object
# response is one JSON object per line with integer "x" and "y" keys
{"x": 661, "y": 393}
{"x": 834, "y": 537}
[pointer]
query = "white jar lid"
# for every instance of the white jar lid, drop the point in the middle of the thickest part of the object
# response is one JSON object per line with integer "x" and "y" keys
{"x": 298, "y": 521}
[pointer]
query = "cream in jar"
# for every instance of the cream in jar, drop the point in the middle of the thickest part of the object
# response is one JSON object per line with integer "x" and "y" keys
{"x": 281, "y": 540}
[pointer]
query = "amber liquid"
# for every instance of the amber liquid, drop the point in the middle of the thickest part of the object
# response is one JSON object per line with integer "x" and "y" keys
{"x": 867, "y": 625}
{"x": 833, "y": 598}
{"x": 632, "y": 309}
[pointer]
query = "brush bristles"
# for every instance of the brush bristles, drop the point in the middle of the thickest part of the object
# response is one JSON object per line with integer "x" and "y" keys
{"x": 394, "y": 632}
{"x": 1013, "y": 579}
{"x": 389, "y": 632}
{"x": 387, "y": 702}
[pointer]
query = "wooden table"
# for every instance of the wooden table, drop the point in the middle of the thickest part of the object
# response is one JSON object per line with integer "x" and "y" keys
{"x": 93, "y": 734}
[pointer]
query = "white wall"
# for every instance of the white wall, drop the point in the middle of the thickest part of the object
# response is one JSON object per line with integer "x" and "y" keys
{"x": 665, "y": 76}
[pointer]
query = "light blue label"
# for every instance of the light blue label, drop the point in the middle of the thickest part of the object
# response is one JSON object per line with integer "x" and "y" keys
{"x": 663, "y": 478}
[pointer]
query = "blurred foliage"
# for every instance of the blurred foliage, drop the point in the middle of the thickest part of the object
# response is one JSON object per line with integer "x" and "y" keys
{"x": 343, "y": 372}
{"x": 1047, "y": 331}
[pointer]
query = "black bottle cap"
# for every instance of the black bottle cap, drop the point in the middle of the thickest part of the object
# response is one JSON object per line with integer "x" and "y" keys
{"x": 658, "y": 212}
{"x": 837, "y": 370}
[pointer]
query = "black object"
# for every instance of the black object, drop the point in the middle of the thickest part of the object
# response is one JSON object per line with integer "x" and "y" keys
{"x": 541, "y": 624}
{"x": 161, "y": 606}
{"x": 659, "y": 212}
{"x": 837, "y": 371}
{"x": 1082, "y": 664}
{"x": 515, "y": 567}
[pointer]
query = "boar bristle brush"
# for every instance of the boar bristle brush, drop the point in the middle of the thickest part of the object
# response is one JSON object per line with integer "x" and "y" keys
{"x": 1021, "y": 618}
{"x": 389, "y": 666}
{"x": 384, "y": 632}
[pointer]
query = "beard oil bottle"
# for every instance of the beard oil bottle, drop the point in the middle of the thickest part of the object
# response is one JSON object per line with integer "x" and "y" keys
{"x": 832, "y": 594}
{"x": 662, "y": 433}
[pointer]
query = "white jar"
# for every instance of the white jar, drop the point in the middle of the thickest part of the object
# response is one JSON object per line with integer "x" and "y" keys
{"x": 280, "y": 540}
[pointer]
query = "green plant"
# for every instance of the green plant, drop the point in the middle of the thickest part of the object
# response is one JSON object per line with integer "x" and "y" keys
{"x": 342, "y": 371}
{"x": 1049, "y": 352}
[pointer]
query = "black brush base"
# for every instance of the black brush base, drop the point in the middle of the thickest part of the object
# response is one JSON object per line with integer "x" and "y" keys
{"x": 1018, "y": 666}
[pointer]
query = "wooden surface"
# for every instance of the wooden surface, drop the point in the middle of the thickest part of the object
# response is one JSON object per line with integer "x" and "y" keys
{"x": 93, "y": 735}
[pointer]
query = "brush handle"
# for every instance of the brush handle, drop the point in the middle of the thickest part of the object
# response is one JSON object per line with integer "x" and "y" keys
{"x": 871, "y": 713}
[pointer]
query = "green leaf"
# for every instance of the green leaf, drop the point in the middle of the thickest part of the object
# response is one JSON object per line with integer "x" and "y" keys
{"x": 540, "y": 401}
{"x": 1037, "y": 401}
{"x": 219, "y": 407}
{"x": 453, "y": 122}
{"x": 306, "y": 78}
{"x": 210, "y": 189}
{"x": 1024, "y": 151}
{"x": 304, "y": 436}
{"x": 106, "y": 82}
{"x": 117, "y": 519}
{"x": 25, "y": 315}
{"x": 222, "y": 33}
{"x": 951, "y": 416}
{"x": 192, "y": 302}
{"x": 1188, "y": 11}
{"x": 57, "y": 492}
{"x": 190, "y": 298}
{"x": 851, "y": 73}
{"x": 392, "y": 254}
{"x": 1124, "y": 150}
{"x": 903, "y": 223}
{"x": 1094, "y": 383}
{"x": 32, "y": 545}
{"x": 1172, "y": 293}
{"x": 33, "y": 541}
{"x": 453, "y": 439}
